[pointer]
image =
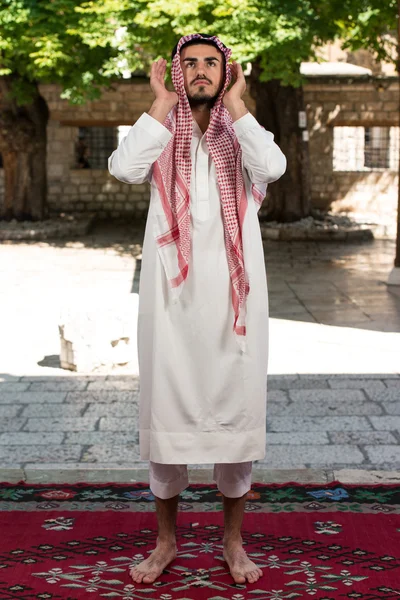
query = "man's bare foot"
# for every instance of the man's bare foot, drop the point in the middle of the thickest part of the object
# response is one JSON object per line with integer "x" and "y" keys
{"x": 240, "y": 566}
{"x": 148, "y": 570}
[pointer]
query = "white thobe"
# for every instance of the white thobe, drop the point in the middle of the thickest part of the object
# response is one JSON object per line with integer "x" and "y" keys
{"x": 202, "y": 400}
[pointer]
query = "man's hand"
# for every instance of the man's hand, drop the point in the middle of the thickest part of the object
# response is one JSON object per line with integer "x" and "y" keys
{"x": 233, "y": 97}
{"x": 157, "y": 83}
{"x": 164, "y": 99}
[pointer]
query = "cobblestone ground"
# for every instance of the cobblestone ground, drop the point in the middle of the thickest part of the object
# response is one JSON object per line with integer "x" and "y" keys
{"x": 331, "y": 405}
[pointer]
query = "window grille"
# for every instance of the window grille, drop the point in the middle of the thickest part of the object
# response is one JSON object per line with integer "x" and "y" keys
{"x": 94, "y": 145}
{"x": 376, "y": 147}
{"x": 365, "y": 148}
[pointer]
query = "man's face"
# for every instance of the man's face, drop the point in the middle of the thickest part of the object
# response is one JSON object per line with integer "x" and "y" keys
{"x": 203, "y": 72}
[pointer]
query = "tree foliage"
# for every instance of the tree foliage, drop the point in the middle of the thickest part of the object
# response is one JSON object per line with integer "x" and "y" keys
{"x": 69, "y": 42}
{"x": 372, "y": 25}
{"x": 280, "y": 34}
{"x": 83, "y": 44}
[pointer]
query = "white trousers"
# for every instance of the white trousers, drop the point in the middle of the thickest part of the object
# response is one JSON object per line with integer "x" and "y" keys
{"x": 233, "y": 479}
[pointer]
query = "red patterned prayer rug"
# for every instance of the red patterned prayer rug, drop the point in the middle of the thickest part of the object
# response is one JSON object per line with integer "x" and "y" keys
{"x": 78, "y": 541}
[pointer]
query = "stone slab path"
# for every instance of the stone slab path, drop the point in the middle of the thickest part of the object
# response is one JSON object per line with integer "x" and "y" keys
{"x": 334, "y": 383}
{"x": 319, "y": 422}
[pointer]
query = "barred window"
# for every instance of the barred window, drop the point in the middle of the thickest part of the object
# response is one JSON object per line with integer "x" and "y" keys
{"x": 365, "y": 148}
{"x": 376, "y": 147}
{"x": 94, "y": 145}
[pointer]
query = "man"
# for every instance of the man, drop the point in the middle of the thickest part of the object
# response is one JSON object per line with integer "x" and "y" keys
{"x": 203, "y": 305}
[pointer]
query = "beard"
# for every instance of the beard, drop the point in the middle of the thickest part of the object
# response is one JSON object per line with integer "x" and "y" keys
{"x": 201, "y": 98}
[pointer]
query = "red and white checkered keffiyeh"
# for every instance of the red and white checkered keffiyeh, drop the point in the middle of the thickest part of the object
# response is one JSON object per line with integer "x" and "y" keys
{"x": 172, "y": 173}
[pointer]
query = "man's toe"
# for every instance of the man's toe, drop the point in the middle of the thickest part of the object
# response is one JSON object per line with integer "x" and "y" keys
{"x": 150, "y": 577}
{"x": 239, "y": 578}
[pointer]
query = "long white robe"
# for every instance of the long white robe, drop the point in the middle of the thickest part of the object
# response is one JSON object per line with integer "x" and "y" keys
{"x": 202, "y": 400}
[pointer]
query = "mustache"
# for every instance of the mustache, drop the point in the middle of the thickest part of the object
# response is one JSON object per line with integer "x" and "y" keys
{"x": 201, "y": 79}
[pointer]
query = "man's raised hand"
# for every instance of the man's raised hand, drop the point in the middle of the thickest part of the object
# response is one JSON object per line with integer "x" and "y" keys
{"x": 233, "y": 97}
{"x": 157, "y": 83}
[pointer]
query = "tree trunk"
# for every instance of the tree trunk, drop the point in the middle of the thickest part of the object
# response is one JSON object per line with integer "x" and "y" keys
{"x": 277, "y": 109}
{"x": 23, "y": 142}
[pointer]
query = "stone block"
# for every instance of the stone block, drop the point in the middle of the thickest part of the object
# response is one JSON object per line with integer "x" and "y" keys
{"x": 102, "y": 334}
{"x": 30, "y": 439}
{"x": 63, "y": 385}
{"x": 13, "y": 386}
{"x": 392, "y": 383}
{"x": 364, "y": 476}
{"x": 348, "y": 115}
{"x": 54, "y": 188}
{"x": 362, "y": 437}
{"x": 391, "y": 394}
{"x": 62, "y": 424}
{"x": 298, "y": 438}
{"x": 71, "y": 189}
{"x": 12, "y": 474}
{"x": 390, "y": 106}
{"x": 39, "y": 454}
{"x": 302, "y": 384}
{"x": 276, "y": 395}
{"x": 360, "y": 384}
{"x": 31, "y": 397}
{"x": 116, "y": 424}
{"x": 116, "y": 409}
{"x": 374, "y": 376}
{"x": 390, "y": 423}
{"x": 384, "y": 454}
{"x": 126, "y": 453}
{"x": 326, "y": 395}
{"x": 389, "y": 118}
{"x": 132, "y": 383}
{"x": 277, "y": 408}
{"x": 102, "y": 396}
{"x": 306, "y": 376}
{"x": 374, "y": 106}
{"x": 281, "y": 456}
{"x": 9, "y": 410}
{"x": 336, "y": 408}
{"x": 12, "y": 423}
{"x": 281, "y": 424}
{"x": 89, "y": 472}
{"x": 52, "y": 410}
{"x": 107, "y": 438}
{"x": 55, "y": 170}
{"x": 392, "y": 408}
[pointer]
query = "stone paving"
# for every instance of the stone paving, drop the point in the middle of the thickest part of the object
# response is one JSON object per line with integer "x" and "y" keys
{"x": 330, "y": 422}
{"x": 334, "y": 383}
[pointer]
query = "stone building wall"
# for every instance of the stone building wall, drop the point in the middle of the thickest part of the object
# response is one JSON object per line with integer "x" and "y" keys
{"x": 93, "y": 190}
{"x": 355, "y": 103}
{"x": 329, "y": 103}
